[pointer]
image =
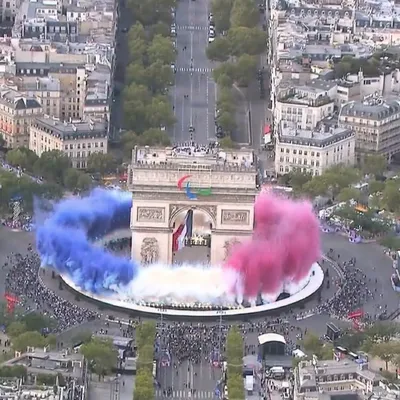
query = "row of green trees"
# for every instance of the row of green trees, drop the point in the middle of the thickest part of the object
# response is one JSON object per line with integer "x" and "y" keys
{"x": 378, "y": 340}
{"x": 340, "y": 182}
{"x": 147, "y": 109}
{"x": 144, "y": 383}
{"x": 238, "y": 48}
{"x": 101, "y": 355}
{"x": 55, "y": 169}
{"x": 234, "y": 360}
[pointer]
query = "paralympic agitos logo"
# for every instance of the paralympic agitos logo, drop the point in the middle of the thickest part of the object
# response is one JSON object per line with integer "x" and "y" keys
{"x": 184, "y": 184}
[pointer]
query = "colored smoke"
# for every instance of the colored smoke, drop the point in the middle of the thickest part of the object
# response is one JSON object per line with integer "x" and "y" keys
{"x": 63, "y": 240}
{"x": 285, "y": 244}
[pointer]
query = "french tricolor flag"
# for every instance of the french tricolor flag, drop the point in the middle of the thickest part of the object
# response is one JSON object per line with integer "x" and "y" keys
{"x": 184, "y": 231}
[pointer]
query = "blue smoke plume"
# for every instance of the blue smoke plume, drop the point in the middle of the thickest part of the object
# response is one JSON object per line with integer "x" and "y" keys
{"x": 63, "y": 240}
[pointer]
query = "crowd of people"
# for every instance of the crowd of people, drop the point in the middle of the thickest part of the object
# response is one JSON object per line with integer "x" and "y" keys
{"x": 354, "y": 289}
{"x": 198, "y": 342}
{"x": 22, "y": 223}
{"x": 23, "y": 281}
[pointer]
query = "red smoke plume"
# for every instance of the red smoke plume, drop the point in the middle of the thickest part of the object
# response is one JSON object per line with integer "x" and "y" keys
{"x": 284, "y": 246}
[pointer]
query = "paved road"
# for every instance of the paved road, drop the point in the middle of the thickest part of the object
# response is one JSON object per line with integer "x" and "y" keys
{"x": 198, "y": 109}
{"x": 122, "y": 60}
{"x": 201, "y": 378}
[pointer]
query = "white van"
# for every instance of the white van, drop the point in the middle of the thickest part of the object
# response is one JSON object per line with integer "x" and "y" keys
{"x": 277, "y": 372}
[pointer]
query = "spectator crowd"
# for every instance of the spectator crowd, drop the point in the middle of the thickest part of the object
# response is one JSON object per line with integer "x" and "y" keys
{"x": 23, "y": 281}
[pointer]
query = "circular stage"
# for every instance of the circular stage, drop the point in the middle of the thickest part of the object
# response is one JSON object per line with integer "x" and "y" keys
{"x": 314, "y": 283}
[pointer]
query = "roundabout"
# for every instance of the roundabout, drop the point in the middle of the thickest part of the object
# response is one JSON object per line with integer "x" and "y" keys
{"x": 312, "y": 285}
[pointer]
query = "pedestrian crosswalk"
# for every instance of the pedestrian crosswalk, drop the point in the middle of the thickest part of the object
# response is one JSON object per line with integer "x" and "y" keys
{"x": 192, "y": 27}
{"x": 185, "y": 394}
{"x": 188, "y": 69}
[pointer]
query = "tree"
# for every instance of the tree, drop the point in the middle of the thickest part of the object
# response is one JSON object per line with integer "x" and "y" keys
{"x": 136, "y": 97}
{"x": 15, "y": 329}
{"x": 36, "y": 322}
{"x": 21, "y": 157}
{"x": 224, "y": 81}
{"x": 161, "y": 49}
{"x": 51, "y": 341}
{"x": 159, "y": 113}
{"x": 375, "y": 187}
{"x": 353, "y": 340}
{"x": 84, "y": 182}
{"x": 386, "y": 351}
{"x": 101, "y": 355}
{"x": 129, "y": 140}
{"x": 349, "y": 193}
{"x": 2, "y": 142}
{"x": 136, "y": 73}
{"x": 226, "y": 121}
{"x": 312, "y": 343}
{"x": 154, "y": 137}
{"x": 225, "y": 100}
{"x": 382, "y": 331}
{"x": 160, "y": 28}
{"x": 145, "y": 332}
{"x": 244, "y": 13}
{"x": 245, "y": 69}
{"x": 144, "y": 386}
{"x": 391, "y": 196}
{"x": 151, "y": 11}
{"x": 391, "y": 242}
{"x": 71, "y": 177}
{"x": 28, "y": 339}
{"x": 297, "y": 179}
{"x": 374, "y": 164}
{"x": 227, "y": 69}
{"x": 137, "y": 43}
{"x": 234, "y": 351}
{"x": 146, "y": 357}
{"x": 218, "y": 50}
{"x": 221, "y": 10}
{"x": 158, "y": 77}
{"x": 137, "y": 51}
{"x": 227, "y": 143}
{"x": 82, "y": 337}
{"x": 101, "y": 163}
{"x": 243, "y": 40}
{"x": 52, "y": 165}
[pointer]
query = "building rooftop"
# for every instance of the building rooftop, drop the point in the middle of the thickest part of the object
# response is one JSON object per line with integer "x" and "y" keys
{"x": 373, "y": 109}
{"x": 40, "y": 361}
{"x": 193, "y": 157}
{"x": 68, "y": 130}
{"x": 308, "y": 375}
{"x": 14, "y": 99}
{"x": 322, "y": 137}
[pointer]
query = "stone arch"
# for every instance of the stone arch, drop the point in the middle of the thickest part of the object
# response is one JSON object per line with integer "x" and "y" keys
{"x": 176, "y": 209}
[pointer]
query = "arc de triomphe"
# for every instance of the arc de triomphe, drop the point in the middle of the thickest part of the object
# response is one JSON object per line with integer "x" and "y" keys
{"x": 166, "y": 182}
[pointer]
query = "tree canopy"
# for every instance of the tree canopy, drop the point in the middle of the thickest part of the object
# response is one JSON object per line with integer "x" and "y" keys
{"x": 234, "y": 359}
{"x": 151, "y": 70}
{"x": 145, "y": 336}
{"x": 101, "y": 354}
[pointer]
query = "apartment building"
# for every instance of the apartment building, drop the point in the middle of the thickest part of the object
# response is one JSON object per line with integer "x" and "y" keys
{"x": 376, "y": 124}
{"x": 16, "y": 114}
{"x": 72, "y": 80}
{"x": 98, "y": 88}
{"x": 312, "y": 151}
{"x": 78, "y": 139}
{"x": 305, "y": 105}
{"x": 330, "y": 379}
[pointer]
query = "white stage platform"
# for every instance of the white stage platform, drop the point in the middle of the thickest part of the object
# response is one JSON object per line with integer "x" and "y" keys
{"x": 315, "y": 282}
